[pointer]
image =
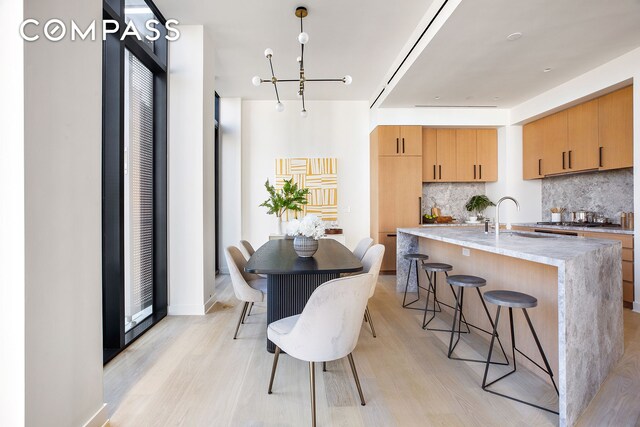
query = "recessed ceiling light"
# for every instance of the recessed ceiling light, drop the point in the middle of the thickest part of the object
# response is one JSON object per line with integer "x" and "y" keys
{"x": 546, "y": 70}
{"x": 514, "y": 36}
{"x": 495, "y": 98}
{"x": 437, "y": 97}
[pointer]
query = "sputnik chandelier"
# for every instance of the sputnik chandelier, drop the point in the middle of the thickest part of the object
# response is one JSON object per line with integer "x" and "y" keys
{"x": 303, "y": 38}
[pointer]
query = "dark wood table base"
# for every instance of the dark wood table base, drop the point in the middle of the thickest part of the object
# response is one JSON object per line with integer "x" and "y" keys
{"x": 287, "y": 294}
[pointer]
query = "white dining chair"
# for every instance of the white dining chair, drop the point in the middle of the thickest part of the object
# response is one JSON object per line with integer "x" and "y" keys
{"x": 244, "y": 244}
{"x": 362, "y": 246}
{"x": 371, "y": 264}
{"x": 327, "y": 329}
{"x": 247, "y": 287}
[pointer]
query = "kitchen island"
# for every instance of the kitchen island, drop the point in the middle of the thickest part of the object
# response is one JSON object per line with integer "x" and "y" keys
{"x": 577, "y": 282}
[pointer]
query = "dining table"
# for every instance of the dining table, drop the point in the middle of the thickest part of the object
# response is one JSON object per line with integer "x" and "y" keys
{"x": 291, "y": 279}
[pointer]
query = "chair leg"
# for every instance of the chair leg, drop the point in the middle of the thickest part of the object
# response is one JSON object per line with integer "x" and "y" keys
{"x": 273, "y": 369}
{"x": 249, "y": 312}
{"x": 493, "y": 338}
{"x": 544, "y": 357}
{"x": 324, "y": 366}
{"x": 367, "y": 314}
{"x": 355, "y": 376}
{"x": 244, "y": 310}
{"x": 312, "y": 385}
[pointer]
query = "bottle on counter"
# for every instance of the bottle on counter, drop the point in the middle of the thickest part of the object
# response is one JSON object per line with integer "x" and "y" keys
{"x": 623, "y": 220}
{"x": 630, "y": 220}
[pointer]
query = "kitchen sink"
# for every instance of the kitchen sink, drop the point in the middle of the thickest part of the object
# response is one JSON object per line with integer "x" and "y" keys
{"x": 529, "y": 235}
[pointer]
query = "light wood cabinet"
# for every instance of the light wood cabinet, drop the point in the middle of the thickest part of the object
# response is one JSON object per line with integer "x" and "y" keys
{"x": 615, "y": 112}
{"x": 532, "y": 150}
{"x": 554, "y": 148}
{"x": 446, "y": 148}
{"x": 459, "y": 155}
{"x": 487, "y": 148}
{"x": 467, "y": 155}
{"x": 389, "y": 241}
{"x": 582, "y": 137}
{"x": 396, "y": 186}
{"x": 596, "y": 134}
{"x": 438, "y": 155}
{"x": 399, "y": 140}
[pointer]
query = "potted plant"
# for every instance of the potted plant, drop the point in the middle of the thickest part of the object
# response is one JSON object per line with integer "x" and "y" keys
{"x": 306, "y": 234}
{"x": 478, "y": 204}
{"x": 288, "y": 198}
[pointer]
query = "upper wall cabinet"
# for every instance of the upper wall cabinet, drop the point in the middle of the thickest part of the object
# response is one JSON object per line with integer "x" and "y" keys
{"x": 399, "y": 140}
{"x": 459, "y": 155}
{"x": 597, "y": 134}
{"x": 532, "y": 150}
{"x": 616, "y": 129}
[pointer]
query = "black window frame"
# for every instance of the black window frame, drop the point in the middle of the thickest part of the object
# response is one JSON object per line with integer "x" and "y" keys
{"x": 113, "y": 263}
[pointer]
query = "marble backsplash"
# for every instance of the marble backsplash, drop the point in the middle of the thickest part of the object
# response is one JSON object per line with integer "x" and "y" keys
{"x": 450, "y": 197}
{"x": 608, "y": 193}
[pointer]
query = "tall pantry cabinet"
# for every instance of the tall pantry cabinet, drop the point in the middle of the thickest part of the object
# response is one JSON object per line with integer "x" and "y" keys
{"x": 396, "y": 185}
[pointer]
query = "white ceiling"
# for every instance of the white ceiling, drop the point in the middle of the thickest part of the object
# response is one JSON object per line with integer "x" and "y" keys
{"x": 356, "y": 37}
{"x": 470, "y": 62}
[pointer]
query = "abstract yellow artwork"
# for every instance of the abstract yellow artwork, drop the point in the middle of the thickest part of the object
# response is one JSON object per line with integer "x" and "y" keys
{"x": 320, "y": 176}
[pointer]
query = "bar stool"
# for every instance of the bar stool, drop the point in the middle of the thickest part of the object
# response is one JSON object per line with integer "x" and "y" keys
{"x": 512, "y": 299}
{"x": 432, "y": 269}
{"x": 413, "y": 259}
{"x": 463, "y": 281}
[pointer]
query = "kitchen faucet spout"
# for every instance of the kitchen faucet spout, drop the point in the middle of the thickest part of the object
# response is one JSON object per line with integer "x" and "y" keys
{"x": 498, "y": 211}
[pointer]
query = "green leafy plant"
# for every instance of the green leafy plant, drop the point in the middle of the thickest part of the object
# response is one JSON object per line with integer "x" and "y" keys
{"x": 288, "y": 198}
{"x": 478, "y": 204}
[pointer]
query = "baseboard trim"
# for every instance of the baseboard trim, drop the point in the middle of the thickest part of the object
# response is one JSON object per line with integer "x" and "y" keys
{"x": 636, "y": 306}
{"x": 210, "y": 303}
{"x": 192, "y": 309}
{"x": 224, "y": 270}
{"x": 99, "y": 419}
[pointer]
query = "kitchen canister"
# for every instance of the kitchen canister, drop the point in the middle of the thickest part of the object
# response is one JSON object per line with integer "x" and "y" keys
{"x": 556, "y": 217}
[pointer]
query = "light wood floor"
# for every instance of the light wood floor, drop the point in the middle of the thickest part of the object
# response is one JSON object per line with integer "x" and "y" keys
{"x": 189, "y": 371}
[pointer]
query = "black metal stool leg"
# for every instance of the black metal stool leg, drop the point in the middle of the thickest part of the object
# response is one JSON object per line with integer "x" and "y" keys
{"x": 485, "y": 385}
{"x": 544, "y": 357}
{"x": 458, "y": 309}
{"x": 406, "y": 287}
{"x": 486, "y": 310}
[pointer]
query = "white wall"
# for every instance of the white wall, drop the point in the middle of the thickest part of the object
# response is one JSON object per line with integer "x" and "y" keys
{"x": 332, "y": 129}
{"x": 63, "y": 190}
{"x": 12, "y": 286}
{"x": 454, "y": 117}
{"x": 191, "y": 123}
{"x": 230, "y": 175}
{"x": 527, "y": 193}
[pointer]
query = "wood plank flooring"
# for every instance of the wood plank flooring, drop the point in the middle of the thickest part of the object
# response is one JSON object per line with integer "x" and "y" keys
{"x": 188, "y": 371}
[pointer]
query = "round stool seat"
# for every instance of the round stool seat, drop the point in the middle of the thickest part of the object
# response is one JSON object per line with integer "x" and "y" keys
{"x": 511, "y": 299}
{"x": 417, "y": 257}
{"x": 465, "y": 281}
{"x": 436, "y": 267}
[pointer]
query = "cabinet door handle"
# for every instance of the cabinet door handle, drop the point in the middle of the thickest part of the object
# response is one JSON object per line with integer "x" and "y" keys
{"x": 397, "y": 145}
{"x": 392, "y": 235}
{"x": 434, "y": 171}
{"x": 569, "y": 159}
{"x": 402, "y": 145}
{"x": 439, "y": 171}
{"x": 480, "y": 168}
{"x": 474, "y": 171}
{"x": 600, "y": 156}
{"x": 539, "y": 166}
{"x": 563, "y": 160}
{"x": 419, "y": 210}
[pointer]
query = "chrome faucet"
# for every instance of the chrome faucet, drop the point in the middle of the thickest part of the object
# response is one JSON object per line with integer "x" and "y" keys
{"x": 498, "y": 211}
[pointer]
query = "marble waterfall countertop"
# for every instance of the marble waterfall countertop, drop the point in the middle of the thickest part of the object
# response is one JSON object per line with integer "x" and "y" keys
{"x": 612, "y": 230}
{"x": 548, "y": 249}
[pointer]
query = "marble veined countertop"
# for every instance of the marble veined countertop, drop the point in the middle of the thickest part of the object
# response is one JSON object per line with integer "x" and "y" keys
{"x": 612, "y": 230}
{"x": 551, "y": 249}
